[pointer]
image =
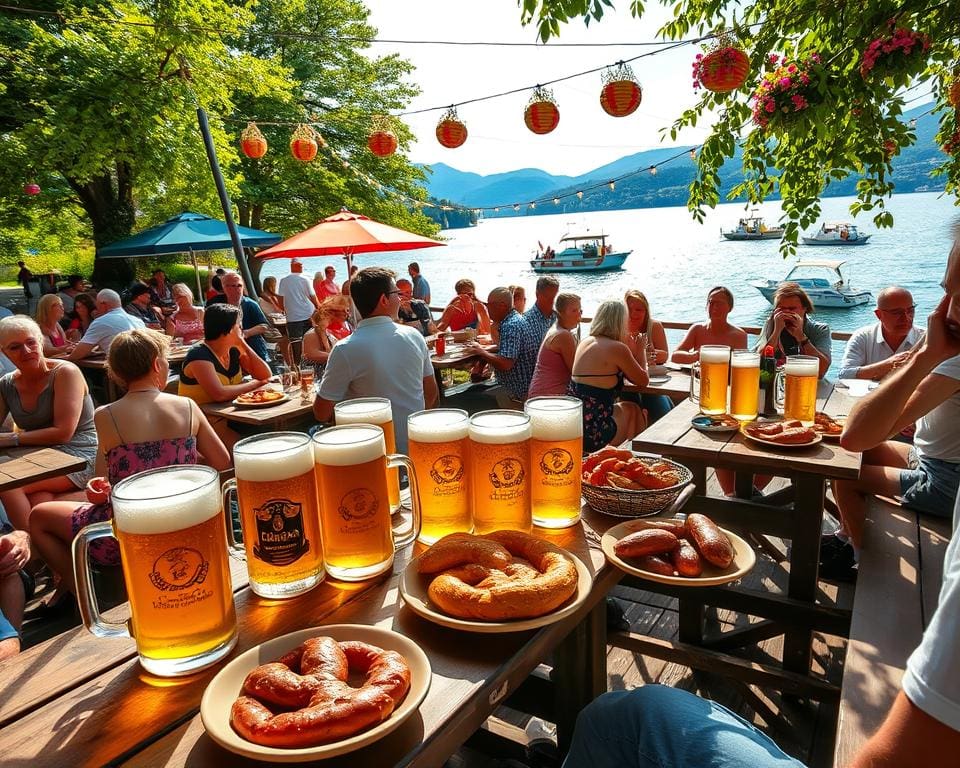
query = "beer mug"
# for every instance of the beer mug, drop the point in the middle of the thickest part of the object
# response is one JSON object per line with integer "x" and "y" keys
{"x": 378, "y": 411}
{"x": 276, "y": 490}
{"x": 798, "y": 381}
{"x": 172, "y": 538}
{"x": 556, "y": 458}
{"x": 438, "y": 449}
{"x": 712, "y": 371}
{"x": 351, "y": 463}
{"x": 306, "y": 383}
{"x": 744, "y": 384}
{"x": 500, "y": 464}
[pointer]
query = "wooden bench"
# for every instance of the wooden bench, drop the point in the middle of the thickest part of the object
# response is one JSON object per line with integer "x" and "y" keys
{"x": 901, "y": 567}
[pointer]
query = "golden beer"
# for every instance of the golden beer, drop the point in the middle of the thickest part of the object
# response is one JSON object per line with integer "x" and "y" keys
{"x": 500, "y": 463}
{"x": 713, "y": 371}
{"x": 373, "y": 410}
{"x": 351, "y": 467}
{"x": 172, "y": 538}
{"x": 744, "y": 385}
{"x": 801, "y": 374}
{"x": 277, "y": 494}
{"x": 438, "y": 449}
{"x": 556, "y": 458}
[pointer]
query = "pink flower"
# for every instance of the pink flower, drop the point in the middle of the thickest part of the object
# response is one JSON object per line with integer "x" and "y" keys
{"x": 792, "y": 68}
{"x": 770, "y": 106}
{"x": 804, "y": 78}
{"x": 785, "y": 82}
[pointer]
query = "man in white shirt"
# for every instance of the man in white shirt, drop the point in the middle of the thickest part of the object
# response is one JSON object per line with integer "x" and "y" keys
{"x": 299, "y": 300}
{"x": 875, "y": 350}
{"x": 110, "y": 321}
{"x": 380, "y": 358}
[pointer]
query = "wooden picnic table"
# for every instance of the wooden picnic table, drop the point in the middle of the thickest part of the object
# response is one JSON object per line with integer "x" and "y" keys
{"x": 22, "y": 466}
{"x": 670, "y": 380}
{"x": 798, "y": 613}
{"x": 456, "y": 355}
{"x": 278, "y": 416}
{"x": 80, "y": 700}
{"x": 98, "y": 362}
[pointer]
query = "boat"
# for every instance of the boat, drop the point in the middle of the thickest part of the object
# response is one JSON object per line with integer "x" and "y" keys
{"x": 832, "y": 292}
{"x": 582, "y": 253}
{"x": 836, "y": 234}
{"x": 752, "y": 227}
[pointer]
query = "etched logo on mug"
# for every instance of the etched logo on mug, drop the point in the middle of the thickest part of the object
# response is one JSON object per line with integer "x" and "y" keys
{"x": 507, "y": 473}
{"x": 447, "y": 469}
{"x": 358, "y": 504}
{"x": 179, "y": 568}
{"x": 556, "y": 461}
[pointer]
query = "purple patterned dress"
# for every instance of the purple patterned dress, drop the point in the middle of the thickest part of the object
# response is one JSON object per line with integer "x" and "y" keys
{"x": 122, "y": 461}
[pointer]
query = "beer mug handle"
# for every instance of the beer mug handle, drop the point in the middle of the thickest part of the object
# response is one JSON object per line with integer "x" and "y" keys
{"x": 694, "y": 378}
{"x": 779, "y": 389}
{"x": 395, "y": 460}
{"x": 230, "y": 487}
{"x": 92, "y": 618}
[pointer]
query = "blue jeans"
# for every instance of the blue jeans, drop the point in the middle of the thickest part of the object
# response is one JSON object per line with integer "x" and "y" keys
{"x": 657, "y": 406}
{"x": 660, "y": 727}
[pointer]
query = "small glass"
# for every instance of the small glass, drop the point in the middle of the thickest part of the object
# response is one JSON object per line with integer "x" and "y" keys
{"x": 306, "y": 383}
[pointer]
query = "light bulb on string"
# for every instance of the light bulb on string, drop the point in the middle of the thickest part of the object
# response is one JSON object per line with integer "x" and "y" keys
{"x": 612, "y": 185}
{"x": 533, "y": 205}
{"x": 693, "y": 154}
{"x": 653, "y": 170}
{"x": 556, "y": 201}
{"x": 913, "y": 122}
{"x": 516, "y": 206}
{"x": 579, "y": 195}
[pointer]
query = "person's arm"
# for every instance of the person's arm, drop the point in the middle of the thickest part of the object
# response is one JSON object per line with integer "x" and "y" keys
{"x": 209, "y": 444}
{"x": 254, "y": 365}
{"x": 908, "y": 737}
{"x": 82, "y": 350}
{"x": 68, "y": 391}
{"x": 660, "y": 343}
{"x": 260, "y": 325}
{"x": 431, "y": 393}
{"x": 687, "y": 351}
{"x": 445, "y": 319}
{"x": 627, "y": 363}
{"x": 14, "y": 552}
{"x": 206, "y": 376}
{"x": 565, "y": 343}
{"x": 313, "y": 347}
{"x": 322, "y": 410}
{"x": 814, "y": 345}
{"x": 169, "y": 326}
{"x": 483, "y": 319}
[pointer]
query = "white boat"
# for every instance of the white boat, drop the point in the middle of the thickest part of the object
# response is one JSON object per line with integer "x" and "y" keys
{"x": 836, "y": 234}
{"x": 832, "y": 291}
{"x": 752, "y": 227}
{"x": 583, "y": 253}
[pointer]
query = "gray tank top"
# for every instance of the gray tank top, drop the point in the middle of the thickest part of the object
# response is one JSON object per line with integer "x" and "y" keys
{"x": 42, "y": 415}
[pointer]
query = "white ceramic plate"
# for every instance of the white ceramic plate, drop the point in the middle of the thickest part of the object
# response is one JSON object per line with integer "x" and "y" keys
{"x": 241, "y": 404}
{"x": 413, "y": 589}
{"x": 655, "y": 379}
{"x": 743, "y": 559}
{"x": 225, "y": 688}
{"x": 779, "y": 446}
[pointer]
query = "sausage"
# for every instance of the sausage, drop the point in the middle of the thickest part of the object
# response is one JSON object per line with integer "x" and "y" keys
{"x": 686, "y": 560}
{"x": 712, "y": 544}
{"x": 676, "y": 527}
{"x": 655, "y": 564}
{"x": 794, "y": 435}
{"x": 652, "y": 541}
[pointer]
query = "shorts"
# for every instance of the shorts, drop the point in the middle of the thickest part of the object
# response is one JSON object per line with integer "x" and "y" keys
{"x": 7, "y": 630}
{"x": 930, "y": 485}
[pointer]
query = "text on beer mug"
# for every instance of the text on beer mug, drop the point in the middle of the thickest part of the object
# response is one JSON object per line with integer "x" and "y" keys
{"x": 800, "y": 376}
{"x": 556, "y": 458}
{"x": 276, "y": 490}
{"x": 500, "y": 463}
{"x": 358, "y": 538}
{"x": 373, "y": 410}
{"x": 744, "y": 384}
{"x": 438, "y": 449}
{"x": 712, "y": 371}
{"x": 172, "y": 538}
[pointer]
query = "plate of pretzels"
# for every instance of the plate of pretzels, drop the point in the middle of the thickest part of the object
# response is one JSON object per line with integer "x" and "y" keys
{"x": 504, "y": 581}
{"x": 781, "y": 434}
{"x": 829, "y": 427}
{"x": 315, "y": 693}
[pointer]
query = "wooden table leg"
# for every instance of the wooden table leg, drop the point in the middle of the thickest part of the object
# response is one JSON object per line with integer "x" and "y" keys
{"x": 804, "y": 565}
{"x": 579, "y": 671}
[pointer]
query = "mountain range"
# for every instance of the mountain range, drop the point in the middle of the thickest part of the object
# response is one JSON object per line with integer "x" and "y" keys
{"x": 911, "y": 173}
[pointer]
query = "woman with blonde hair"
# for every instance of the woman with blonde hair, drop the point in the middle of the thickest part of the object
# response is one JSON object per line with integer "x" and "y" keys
{"x": 646, "y": 338}
{"x": 337, "y": 310}
{"x": 186, "y": 322}
{"x": 317, "y": 342}
{"x": 602, "y": 362}
{"x": 555, "y": 359}
{"x": 50, "y": 312}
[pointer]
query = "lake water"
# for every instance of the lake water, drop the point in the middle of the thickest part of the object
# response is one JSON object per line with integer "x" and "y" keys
{"x": 675, "y": 260}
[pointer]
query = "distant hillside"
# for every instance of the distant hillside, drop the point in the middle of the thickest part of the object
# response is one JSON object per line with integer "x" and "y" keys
{"x": 911, "y": 169}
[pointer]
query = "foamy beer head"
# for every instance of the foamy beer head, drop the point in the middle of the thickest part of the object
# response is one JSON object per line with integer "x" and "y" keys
{"x": 363, "y": 410}
{"x": 440, "y": 425}
{"x": 743, "y": 359}
{"x": 164, "y": 500}
{"x": 499, "y": 427}
{"x": 345, "y": 446}
{"x": 802, "y": 365}
{"x": 555, "y": 418}
{"x": 714, "y": 353}
{"x": 273, "y": 457}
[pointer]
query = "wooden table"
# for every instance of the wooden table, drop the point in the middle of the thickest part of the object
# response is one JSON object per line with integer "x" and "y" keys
{"x": 279, "y": 416}
{"x": 456, "y": 355}
{"x": 797, "y": 613}
{"x": 79, "y": 700}
{"x": 676, "y": 386}
{"x": 22, "y": 466}
{"x": 98, "y": 362}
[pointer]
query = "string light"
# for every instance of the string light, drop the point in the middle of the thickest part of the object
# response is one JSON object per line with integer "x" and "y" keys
{"x": 516, "y": 206}
{"x": 612, "y": 185}
{"x": 693, "y": 154}
{"x": 653, "y": 170}
{"x": 532, "y": 206}
{"x": 580, "y": 195}
{"x": 556, "y": 201}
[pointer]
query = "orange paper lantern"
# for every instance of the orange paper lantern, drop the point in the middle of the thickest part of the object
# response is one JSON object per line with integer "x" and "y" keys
{"x": 451, "y": 132}
{"x": 621, "y": 93}
{"x": 303, "y": 145}
{"x": 541, "y": 114}
{"x": 724, "y": 69}
{"x": 382, "y": 143}
{"x": 252, "y": 142}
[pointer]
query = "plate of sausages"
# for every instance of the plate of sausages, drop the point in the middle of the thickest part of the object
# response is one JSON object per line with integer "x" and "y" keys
{"x": 353, "y": 685}
{"x": 695, "y": 552}
{"x": 781, "y": 434}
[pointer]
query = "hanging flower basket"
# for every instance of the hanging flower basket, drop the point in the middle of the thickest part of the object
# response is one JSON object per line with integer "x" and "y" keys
{"x": 953, "y": 95}
{"x": 621, "y": 93}
{"x": 451, "y": 131}
{"x": 902, "y": 53}
{"x": 952, "y": 145}
{"x": 723, "y": 68}
{"x": 252, "y": 142}
{"x": 787, "y": 90}
{"x": 541, "y": 114}
{"x": 304, "y": 144}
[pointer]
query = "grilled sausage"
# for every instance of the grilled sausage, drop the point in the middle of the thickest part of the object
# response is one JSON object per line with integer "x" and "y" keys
{"x": 712, "y": 543}
{"x": 655, "y": 564}
{"x": 686, "y": 560}
{"x": 676, "y": 527}
{"x": 652, "y": 541}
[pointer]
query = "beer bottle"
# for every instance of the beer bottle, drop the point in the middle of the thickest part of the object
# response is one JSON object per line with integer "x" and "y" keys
{"x": 767, "y": 405}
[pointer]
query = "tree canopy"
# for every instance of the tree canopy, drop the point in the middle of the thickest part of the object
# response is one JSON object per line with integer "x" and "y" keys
{"x": 861, "y": 63}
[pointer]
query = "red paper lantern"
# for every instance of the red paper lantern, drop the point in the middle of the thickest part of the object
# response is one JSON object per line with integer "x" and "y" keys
{"x": 890, "y": 148}
{"x": 621, "y": 93}
{"x": 451, "y": 132}
{"x": 382, "y": 143}
{"x": 724, "y": 69}
{"x": 252, "y": 142}
{"x": 541, "y": 114}
{"x": 303, "y": 145}
{"x": 31, "y": 189}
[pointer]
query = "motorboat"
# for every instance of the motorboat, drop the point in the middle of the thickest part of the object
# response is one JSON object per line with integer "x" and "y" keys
{"x": 752, "y": 227}
{"x": 580, "y": 253}
{"x": 836, "y": 234}
{"x": 823, "y": 282}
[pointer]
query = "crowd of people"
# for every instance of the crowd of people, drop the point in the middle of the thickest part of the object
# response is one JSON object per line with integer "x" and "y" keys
{"x": 369, "y": 337}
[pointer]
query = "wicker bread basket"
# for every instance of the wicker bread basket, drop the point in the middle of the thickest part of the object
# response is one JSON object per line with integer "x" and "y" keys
{"x": 621, "y": 502}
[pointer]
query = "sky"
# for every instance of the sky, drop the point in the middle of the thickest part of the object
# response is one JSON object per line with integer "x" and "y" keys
{"x": 498, "y": 140}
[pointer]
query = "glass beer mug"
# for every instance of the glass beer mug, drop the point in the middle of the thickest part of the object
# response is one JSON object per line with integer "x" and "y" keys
{"x": 713, "y": 371}
{"x": 351, "y": 463}
{"x": 172, "y": 537}
{"x": 276, "y": 490}
{"x": 500, "y": 462}
{"x": 373, "y": 410}
{"x": 798, "y": 381}
{"x": 556, "y": 457}
{"x": 744, "y": 384}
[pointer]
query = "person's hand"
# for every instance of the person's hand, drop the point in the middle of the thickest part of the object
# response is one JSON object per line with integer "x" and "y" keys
{"x": 14, "y": 552}
{"x": 943, "y": 335}
{"x": 8, "y": 439}
{"x": 897, "y": 361}
{"x": 472, "y": 346}
{"x": 779, "y": 322}
{"x": 793, "y": 324}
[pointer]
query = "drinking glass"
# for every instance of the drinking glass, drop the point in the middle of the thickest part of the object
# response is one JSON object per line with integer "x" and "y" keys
{"x": 744, "y": 384}
{"x": 556, "y": 457}
{"x": 378, "y": 411}
{"x": 500, "y": 462}
{"x": 712, "y": 371}
{"x": 798, "y": 380}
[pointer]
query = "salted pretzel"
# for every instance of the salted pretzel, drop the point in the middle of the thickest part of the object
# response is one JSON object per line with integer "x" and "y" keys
{"x": 539, "y": 579}
{"x": 303, "y": 699}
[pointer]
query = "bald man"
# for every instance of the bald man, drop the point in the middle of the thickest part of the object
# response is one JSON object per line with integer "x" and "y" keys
{"x": 110, "y": 320}
{"x": 875, "y": 350}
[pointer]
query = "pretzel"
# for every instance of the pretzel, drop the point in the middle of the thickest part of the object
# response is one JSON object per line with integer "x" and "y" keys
{"x": 311, "y": 681}
{"x": 540, "y": 578}
{"x": 460, "y": 548}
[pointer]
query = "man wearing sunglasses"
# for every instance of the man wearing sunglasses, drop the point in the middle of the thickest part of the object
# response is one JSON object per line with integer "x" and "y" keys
{"x": 875, "y": 350}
